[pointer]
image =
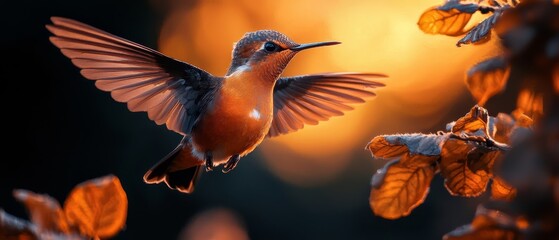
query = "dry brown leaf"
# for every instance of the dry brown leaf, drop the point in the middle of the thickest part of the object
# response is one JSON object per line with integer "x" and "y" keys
{"x": 459, "y": 179}
{"x": 481, "y": 33}
{"x": 487, "y": 225}
{"x": 98, "y": 207}
{"x": 398, "y": 188}
{"x": 389, "y": 146}
{"x": 473, "y": 123}
{"x": 530, "y": 103}
{"x": 487, "y": 78}
{"x": 44, "y": 210}
{"x": 501, "y": 190}
{"x": 482, "y": 159}
{"x": 448, "y": 22}
{"x": 381, "y": 148}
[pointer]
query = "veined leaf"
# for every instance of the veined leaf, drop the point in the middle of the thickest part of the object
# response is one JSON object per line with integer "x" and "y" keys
{"x": 398, "y": 188}
{"x": 98, "y": 207}
{"x": 482, "y": 32}
{"x": 474, "y": 122}
{"x": 449, "y": 22}
{"x": 459, "y": 179}
{"x": 487, "y": 78}
{"x": 44, "y": 210}
{"x": 381, "y": 148}
{"x": 482, "y": 159}
{"x": 389, "y": 146}
{"x": 501, "y": 190}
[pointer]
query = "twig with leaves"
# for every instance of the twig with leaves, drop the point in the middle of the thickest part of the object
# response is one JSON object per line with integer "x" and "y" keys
{"x": 519, "y": 152}
{"x": 464, "y": 156}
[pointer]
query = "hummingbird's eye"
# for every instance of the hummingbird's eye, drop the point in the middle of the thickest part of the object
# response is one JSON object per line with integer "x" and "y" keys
{"x": 270, "y": 47}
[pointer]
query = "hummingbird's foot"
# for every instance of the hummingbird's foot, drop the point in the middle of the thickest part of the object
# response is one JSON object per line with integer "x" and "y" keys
{"x": 231, "y": 163}
{"x": 209, "y": 162}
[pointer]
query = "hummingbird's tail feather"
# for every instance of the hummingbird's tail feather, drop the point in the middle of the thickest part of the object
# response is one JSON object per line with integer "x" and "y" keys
{"x": 180, "y": 170}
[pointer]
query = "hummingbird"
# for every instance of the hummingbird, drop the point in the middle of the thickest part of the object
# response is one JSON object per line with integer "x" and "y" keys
{"x": 221, "y": 118}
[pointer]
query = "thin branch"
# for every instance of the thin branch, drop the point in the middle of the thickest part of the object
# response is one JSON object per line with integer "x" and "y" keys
{"x": 486, "y": 142}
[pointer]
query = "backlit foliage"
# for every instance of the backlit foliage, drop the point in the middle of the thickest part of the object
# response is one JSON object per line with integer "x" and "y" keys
{"x": 452, "y": 17}
{"x": 487, "y": 78}
{"x": 94, "y": 209}
{"x": 517, "y": 154}
{"x": 464, "y": 156}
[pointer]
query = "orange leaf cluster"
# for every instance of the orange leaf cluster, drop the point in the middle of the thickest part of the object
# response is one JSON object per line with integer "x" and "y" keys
{"x": 531, "y": 209}
{"x": 464, "y": 156}
{"x": 451, "y": 19}
{"x": 94, "y": 209}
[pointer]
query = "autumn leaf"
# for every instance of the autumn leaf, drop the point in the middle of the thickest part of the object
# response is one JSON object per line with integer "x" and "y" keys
{"x": 482, "y": 159}
{"x": 459, "y": 179}
{"x": 530, "y": 103}
{"x": 402, "y": 184}
{"x": 487, "y": 225}
{"x": 13, "y": 228}
{"x": 487, "y": 78}
{"x": 474, "y": 122}
{"x": 482, "y": 32}
{"x": 398, "y": 187}
{"x": 98, "y": 207}
{"x": 45, "y": 211}
{"x": 465, "y": 157}
{"x": 500, "y": 190}
{"x": 448, "y": 22}
{"x": 477, "y": 127}
{"x": 389, "y": 146}
{"x": 381, "y": 148}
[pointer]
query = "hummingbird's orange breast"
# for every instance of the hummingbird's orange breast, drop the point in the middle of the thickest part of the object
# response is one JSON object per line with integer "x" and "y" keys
{"x": 238, "y": 120}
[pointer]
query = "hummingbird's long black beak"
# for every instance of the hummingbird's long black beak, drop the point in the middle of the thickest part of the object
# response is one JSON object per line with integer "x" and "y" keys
{"x": 312, "y": 45}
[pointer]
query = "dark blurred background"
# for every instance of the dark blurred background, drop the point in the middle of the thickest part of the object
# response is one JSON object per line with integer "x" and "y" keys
{"x": 314, "y": 184}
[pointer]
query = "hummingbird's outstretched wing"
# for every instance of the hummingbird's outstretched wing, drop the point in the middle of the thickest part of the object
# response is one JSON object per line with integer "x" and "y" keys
{"x": 309, "y": 99}
{"x": 172, "y": 92}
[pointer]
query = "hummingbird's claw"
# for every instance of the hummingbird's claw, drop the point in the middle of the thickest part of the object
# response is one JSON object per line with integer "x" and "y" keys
{"x": 231, "y": 164}
{"x": 209, "y": 162}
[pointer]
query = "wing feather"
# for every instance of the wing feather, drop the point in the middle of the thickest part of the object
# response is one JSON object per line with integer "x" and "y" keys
{"x": 172, "y": 92}
{"x": 309, "y": 99}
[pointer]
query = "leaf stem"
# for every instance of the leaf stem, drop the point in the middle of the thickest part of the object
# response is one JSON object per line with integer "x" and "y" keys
{"x": 486, "y": 142}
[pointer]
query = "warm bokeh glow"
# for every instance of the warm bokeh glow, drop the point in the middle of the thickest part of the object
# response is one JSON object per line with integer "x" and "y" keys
{"x": 426, "y": 72}
{"x": 214, "y": 224}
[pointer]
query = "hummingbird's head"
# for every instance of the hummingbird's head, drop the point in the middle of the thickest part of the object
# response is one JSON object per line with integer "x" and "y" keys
{"x": 267, "y": 52}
